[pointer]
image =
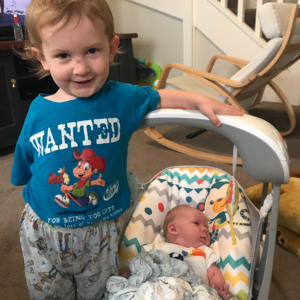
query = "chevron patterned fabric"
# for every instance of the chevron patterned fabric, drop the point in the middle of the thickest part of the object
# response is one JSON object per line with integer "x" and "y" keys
{"x": 205, "y": 189}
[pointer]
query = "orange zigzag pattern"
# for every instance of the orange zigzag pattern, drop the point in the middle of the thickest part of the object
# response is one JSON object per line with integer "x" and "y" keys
{"x": 200, "y": 170}
{"x": 134, "y": 231}
{"x": 123, "y": 256}
{"x": 233, "y": 280}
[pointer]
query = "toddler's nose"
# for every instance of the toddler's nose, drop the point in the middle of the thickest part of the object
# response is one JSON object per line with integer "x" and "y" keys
{"x": 81, "y": 67}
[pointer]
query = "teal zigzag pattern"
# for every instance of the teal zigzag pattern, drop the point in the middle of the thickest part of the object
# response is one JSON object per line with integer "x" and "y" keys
{"x": 227, "y": 234}
{"x": 195, "y": 178}
{"x": 188, "y": 190}
{"x": 133, "y": 242}
{"x": 234, "y": 263}
{"x": 146, "y": 223}
{"x": 173, "y": 197}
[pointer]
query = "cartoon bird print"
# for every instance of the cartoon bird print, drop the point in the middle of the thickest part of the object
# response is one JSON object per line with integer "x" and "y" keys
{"x": 215, "y": 208}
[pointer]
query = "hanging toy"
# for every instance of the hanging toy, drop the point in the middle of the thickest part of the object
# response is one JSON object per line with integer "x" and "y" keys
{"x": 232, "y": 201}
{"x": 232, "y": 197}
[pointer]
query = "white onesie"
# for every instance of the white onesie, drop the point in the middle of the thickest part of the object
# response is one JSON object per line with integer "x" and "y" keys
{"x": 199, "y": 259}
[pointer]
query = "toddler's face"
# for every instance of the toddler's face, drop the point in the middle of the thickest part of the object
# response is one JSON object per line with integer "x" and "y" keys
{"x": 192, "y": 227}
{"x": 77, "y": 56}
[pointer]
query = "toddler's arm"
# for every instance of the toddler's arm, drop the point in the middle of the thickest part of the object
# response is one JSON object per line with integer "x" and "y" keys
{"x": 206, "y": 105}
{"x": 216, "y": 280}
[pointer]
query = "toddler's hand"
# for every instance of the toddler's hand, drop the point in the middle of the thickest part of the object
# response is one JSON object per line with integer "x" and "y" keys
{"x": 223, "y": 290}
{"x": 211, "y": 107}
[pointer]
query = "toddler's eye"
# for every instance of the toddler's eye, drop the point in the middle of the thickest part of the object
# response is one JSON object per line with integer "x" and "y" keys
{"x": 92, "y": 51}
{"x": 63, "y": 55}
{"x": 196, "y": 223}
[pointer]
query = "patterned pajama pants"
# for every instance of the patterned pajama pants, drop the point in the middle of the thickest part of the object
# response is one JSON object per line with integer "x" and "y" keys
{"x": 68, "y": 263}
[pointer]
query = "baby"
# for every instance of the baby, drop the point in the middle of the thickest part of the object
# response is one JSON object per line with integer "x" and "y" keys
{"x": 186, "y": 229}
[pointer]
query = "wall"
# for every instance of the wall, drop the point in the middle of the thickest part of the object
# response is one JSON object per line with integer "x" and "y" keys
{"x": 160, "y": 37}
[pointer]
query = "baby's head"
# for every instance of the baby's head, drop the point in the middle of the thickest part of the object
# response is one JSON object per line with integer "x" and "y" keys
{"x": 187, "y": 226}
{"x": 57, "y": 14}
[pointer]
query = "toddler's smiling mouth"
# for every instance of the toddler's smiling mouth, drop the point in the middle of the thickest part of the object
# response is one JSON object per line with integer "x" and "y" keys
{"x": 83, "y": 82}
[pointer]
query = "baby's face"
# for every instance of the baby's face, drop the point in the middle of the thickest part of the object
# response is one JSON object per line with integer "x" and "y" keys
{"x": 192, "y": 227}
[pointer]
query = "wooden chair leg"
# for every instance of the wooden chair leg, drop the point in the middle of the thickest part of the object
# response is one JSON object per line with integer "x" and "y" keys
{"x": 288, "y": 107}
{"x": 156, "y": 136}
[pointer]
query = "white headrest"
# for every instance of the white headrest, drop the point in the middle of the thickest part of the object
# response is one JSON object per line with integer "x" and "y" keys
{"x": 274, "y": 18}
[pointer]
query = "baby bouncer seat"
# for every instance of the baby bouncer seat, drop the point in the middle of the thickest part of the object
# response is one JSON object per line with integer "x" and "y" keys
{"x": 236, "y": 234}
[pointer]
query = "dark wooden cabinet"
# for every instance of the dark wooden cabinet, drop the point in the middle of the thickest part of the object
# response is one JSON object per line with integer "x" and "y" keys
{"x": 11, "y": 116}
{"x": 124, "y": 68}
{"x": 18, "y": 86}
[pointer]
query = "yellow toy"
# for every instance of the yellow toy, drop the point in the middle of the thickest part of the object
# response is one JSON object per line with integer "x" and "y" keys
{"x": 289, "y": 239}
{"x": 232, "y": 202}
{"x": 288, "y": 215}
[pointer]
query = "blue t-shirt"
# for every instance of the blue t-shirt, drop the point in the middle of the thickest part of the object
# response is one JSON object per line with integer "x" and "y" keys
{"x": 80, "y": 145}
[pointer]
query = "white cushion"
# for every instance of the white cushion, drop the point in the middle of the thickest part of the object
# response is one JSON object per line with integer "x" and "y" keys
{"x": 260, "y": 61}
{"x": 274, "y": 18}
{"x": 191, "y": 84}
{"x": 256, "y": 65}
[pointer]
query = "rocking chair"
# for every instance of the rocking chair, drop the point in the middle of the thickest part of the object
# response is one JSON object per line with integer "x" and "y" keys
{"x": 280, "y": 23}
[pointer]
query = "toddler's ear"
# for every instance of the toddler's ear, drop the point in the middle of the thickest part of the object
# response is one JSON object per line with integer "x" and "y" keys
{"x": 40, "y": 56}
{"x": 113, "y": 46}
{"x": 172, "y": 229}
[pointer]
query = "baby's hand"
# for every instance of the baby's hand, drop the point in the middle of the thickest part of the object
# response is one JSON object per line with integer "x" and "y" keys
{"x": 223, "y": 290}
{"x": 126, "y": 273}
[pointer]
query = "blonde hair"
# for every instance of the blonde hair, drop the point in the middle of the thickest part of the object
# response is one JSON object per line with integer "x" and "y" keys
{"x": 44, "y": 13}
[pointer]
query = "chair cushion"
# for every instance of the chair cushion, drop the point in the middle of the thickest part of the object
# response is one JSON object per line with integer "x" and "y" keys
{"x": 264, "y": 57}
{"x": 205, "y": 189}
{"x": 274, "y": 18}
{"x": 257, "y": 64}
{"x": 191, "y": 84}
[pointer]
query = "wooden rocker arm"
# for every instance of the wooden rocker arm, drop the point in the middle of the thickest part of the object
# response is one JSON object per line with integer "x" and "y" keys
{"x": 288, "y": 107}
{"x": 198, "y": 73}
{"x": 221, "y": 90}
{"x": 233, "y": 60}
